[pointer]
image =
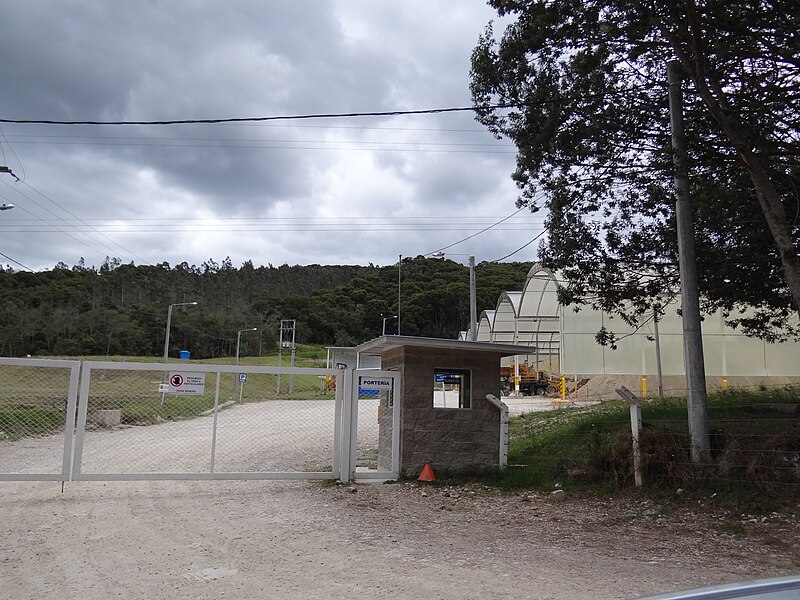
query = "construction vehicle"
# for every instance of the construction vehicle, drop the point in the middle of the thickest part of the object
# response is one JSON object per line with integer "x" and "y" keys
{"x": 531, "y": 383}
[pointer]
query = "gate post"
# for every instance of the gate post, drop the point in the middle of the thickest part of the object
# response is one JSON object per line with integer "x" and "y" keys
{"x": 345, "y": 425}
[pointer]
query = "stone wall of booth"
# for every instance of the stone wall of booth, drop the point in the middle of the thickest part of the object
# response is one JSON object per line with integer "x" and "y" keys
{"x": 451, "y": 439}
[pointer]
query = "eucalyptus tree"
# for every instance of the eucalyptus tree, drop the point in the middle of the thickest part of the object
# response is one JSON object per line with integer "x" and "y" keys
{"x": 583, "y": 90}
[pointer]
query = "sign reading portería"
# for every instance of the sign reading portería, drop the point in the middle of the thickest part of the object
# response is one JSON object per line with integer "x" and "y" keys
{"x": 186, "y": 384}
{"x": 375, "y": 383}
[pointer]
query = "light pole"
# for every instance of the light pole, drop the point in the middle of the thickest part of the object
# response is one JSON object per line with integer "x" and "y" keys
{"x": 6, "y": 206}
{"x": 399, "y": 271}
{"x": 473, "y": 295}
{"x": 383, "y": 331}
{"x": 238, "y": 342}
{"x": 166, "y": 339}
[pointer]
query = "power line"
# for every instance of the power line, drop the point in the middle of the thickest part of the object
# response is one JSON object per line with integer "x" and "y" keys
{"x": 43, "y": 195}
{"x": 284, "y": 146}
{"x": 222, "y": 142}
{"x": 387, "y": 113}
{"x": 536, "y": 237}
{"x": 503, "y": 220}
{"x": 67, "y": 233}
{"x": 16, "y": 262}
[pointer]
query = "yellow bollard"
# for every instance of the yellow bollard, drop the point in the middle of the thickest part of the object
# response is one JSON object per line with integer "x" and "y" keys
{"x": 563, "y": 387}
{"x": 644, "y": 386}
{"x": 724, "y": 383}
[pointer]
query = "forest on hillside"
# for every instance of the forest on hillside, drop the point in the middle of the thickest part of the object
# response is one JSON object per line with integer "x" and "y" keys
{"x": 121, "y": 309}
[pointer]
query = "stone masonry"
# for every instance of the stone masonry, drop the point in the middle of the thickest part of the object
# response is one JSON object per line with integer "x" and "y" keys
{"x": 451, "y": 439}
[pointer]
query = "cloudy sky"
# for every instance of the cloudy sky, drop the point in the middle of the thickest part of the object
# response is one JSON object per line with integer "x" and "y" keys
{"x": 331, "y": 191}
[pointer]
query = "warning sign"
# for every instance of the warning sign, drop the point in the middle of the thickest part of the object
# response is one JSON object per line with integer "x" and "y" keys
{"x": 187, "y": 384}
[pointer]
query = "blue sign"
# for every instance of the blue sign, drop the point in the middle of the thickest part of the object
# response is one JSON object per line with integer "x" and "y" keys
{"x": 242, "y": 377}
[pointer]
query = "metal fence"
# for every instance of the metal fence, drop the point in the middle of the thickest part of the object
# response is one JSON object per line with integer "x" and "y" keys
{"x": 37, "y": 415}
{"x": 210, "y": 425}
{"x": 135, "y": 421}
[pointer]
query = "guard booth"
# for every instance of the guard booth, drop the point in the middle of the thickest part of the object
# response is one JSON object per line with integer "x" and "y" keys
{"x": 446, "y": 418}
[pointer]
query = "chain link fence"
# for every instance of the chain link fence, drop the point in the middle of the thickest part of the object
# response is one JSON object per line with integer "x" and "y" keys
{"x": 253, "y": 420}
{"x": 34, "y": 403}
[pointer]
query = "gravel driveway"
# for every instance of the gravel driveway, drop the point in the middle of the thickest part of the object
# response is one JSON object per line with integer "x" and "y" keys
{"x": 274, "y": 435}
{"x": 293, "y": 539}
{"x": 222, "y": 539}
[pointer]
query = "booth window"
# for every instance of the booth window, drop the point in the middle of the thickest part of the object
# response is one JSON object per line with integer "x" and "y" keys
{"x": 451, "y": 388}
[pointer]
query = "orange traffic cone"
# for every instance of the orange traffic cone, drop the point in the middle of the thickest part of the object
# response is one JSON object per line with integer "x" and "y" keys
{"x": 427, "y": 473}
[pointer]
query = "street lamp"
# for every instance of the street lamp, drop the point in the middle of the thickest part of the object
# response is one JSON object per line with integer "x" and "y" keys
{"x": 473, "y": 295}
{"x": 238, "y": 342}
{"x": 169, "y": 322}
{"x": 166, "y": 339}
{"x": 239, "y": 339}
{"x": 383, "y": 331}
{"x": 6, "y": 206}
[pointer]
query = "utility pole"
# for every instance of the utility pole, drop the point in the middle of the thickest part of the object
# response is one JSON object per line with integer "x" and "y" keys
{"x": 399, "y": 267}
{"x": 473, "y": 302}
{"x": 697, "y": 401}
{"x": 658, "y": 353}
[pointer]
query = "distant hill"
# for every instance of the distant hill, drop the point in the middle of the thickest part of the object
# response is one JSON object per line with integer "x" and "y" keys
{"x": 121, "y": 309}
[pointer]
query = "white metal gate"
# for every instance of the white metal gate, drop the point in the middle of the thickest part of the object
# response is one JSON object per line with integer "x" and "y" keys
{"x": 37, "y": 417}
{"x": 373, "y": 426}
{"x": 138, "y": 421}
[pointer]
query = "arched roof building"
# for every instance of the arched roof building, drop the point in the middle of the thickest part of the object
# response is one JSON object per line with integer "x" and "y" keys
{"x": 533, "y": 317}
{"x": 504, "y": 327}
{"x": 485, "y": 324}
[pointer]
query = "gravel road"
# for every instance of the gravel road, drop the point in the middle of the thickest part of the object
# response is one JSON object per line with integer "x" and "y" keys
{"x": 274, "y": 435}
{"x": 203, "y": 540}
{"x": 293, "y": 539}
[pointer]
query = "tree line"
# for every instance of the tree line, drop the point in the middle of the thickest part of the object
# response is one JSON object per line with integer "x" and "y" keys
{"x": 121, "y": 309}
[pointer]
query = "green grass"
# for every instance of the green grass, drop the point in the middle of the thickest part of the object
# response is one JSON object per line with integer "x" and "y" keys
{"x": 755, "y": 447}
{"x": 16, "y": 423}
{"x": 33, "y": 399}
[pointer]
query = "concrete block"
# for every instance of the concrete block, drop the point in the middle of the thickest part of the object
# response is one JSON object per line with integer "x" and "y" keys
{"x": 106, "y": 418}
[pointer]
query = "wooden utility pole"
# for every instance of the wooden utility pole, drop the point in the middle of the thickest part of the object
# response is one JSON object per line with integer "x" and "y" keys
{"x": 697, "y": 400}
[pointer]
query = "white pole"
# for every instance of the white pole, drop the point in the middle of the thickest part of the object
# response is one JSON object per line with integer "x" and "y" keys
{"x": 166, "y": 341}
{"x": 399, "y": 268}
{"x": 473, "y": 302}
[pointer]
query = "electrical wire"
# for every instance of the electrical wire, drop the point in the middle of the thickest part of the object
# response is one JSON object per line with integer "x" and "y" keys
{"x": 503, "y": 220}
{"x": 16, "y": 262}
{"x": 386, "y": 113}
{"x": 67, "y": 233}
{"x": 10, "y": 147}
{"x": 521, "y": 247}
{"x": 120, "y": 246}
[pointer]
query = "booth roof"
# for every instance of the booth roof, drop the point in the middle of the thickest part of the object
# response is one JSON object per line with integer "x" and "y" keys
{"x": 381, "y": 344}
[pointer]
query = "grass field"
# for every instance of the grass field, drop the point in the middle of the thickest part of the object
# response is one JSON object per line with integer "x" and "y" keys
{"x": 755, "y": 444}
{"x": 33, "y": 400}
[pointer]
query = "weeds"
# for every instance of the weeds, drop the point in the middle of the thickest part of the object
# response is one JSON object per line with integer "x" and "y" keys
{"x": 755, "y": 445}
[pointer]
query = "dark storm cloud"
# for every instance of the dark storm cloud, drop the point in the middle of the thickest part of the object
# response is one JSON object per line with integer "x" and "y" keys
{"x": 155, "y": 60}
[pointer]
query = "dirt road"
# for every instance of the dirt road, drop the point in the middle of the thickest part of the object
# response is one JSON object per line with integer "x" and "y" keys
{"x": 167, "y": 540}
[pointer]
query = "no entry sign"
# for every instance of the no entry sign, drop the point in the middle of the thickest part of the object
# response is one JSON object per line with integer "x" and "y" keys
{"x": 186, "y": 384}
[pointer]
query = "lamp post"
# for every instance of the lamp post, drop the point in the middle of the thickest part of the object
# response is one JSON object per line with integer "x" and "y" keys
{"x": 383, "y": 331}
{"x": 238, "y": 343}
{"x": 473, "y": 295}
{"x": 399, "y": 272}
{"x": 166, "y": 339}
{"x": 6, "y": 206}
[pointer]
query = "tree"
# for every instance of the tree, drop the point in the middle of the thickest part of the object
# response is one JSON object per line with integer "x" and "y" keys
{"x": 585, "y": 82}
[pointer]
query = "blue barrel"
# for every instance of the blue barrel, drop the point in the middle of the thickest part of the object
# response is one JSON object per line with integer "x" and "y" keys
{"x": 184, "y": 355}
